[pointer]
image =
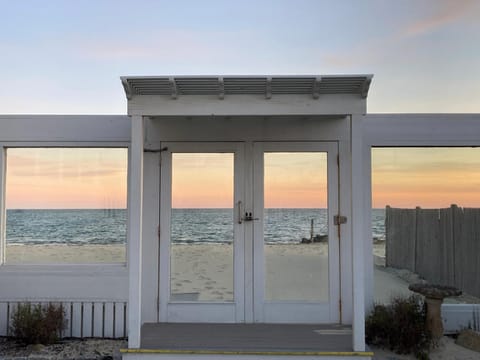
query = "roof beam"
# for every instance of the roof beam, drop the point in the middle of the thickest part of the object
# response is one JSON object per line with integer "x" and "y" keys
{"x": 221, "y": 88}
{"x": 268, "y": 88}
{"x": 173, "y": 87}
{"x": 316, "y": 87}
{"x": 126, "y": 87}
{"x": 366, "y": 87}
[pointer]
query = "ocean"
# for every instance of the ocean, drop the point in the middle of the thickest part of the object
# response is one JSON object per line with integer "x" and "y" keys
{"x": 108, "y": 226}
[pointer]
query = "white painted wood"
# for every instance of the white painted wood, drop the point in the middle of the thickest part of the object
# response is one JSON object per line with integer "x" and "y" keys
{"x": 70, "y": 128}
{"x": 200, "y": 311}
{"x": 76, "y": 319}
{"x": 165, "y": 220}
{"x": 98, "y": 316}
{"x": 198, "y": 105}
{"x": 87, "y": 319}
{"x": 358, "y": 267}
{"x": 119, "y": 325}
{"x": 108, "y": 322}
{"x": 150, "y": 246}
{"x": 135, "y": 207}
{"x": 248, "y": 290}
{"x": 421, "y": 129}
{"x": 345, "y": 205}
{"x": 147, "y": 356}
{"x": 77, "y": 282}
{"x": 246, "y": 128}
{"x": 296, "y": 312}
{"x": 2, "y": 204}
{"x": 457, "y": 317}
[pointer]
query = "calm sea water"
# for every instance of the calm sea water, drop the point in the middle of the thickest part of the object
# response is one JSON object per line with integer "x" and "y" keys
{"x": 188, "y": 225}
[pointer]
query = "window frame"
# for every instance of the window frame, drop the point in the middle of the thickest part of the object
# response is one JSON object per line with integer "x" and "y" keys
{"x": 49, "y": 268}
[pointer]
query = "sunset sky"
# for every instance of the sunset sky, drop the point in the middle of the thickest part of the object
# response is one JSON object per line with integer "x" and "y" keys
{"x": 426, "y": 177}
{"x": 66, "y": 57}
{"x": 66, "y": 178}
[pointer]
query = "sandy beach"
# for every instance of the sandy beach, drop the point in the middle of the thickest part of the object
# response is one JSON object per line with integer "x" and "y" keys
{"x": 65, "y": 254}
{"x": 293, "y": 272}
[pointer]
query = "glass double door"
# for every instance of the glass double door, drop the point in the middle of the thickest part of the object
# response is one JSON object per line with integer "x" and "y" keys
{"x": 247, "y": 233}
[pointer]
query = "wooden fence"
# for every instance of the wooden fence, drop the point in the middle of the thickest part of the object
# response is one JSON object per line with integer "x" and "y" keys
{"x": 100, "y": 319}
{"x": 441, "y": 245}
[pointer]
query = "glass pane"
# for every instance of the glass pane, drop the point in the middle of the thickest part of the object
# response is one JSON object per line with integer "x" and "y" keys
{"x": 66, "y": 205}
{"x": 295, "y": 226}
{"x": 202, "y": 227}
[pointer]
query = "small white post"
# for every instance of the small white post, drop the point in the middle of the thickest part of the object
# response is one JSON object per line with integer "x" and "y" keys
{"x": 135, "y": 208}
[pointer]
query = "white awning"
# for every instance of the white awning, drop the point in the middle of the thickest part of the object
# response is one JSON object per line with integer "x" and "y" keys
{"x": 222, "y": 86}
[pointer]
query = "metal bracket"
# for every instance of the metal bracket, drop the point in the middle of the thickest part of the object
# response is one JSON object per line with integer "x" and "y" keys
{"x": 339, "y": 219}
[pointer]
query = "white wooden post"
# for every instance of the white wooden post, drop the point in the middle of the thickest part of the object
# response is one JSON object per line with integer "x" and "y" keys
{"x": 3, "y": 219}
{"x": 135, "y": 208}
{"x": 358, "y": 279}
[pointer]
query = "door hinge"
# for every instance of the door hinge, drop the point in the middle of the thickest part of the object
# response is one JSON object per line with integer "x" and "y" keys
{"x": 158, "y": 232}
{"x": 338, "y": 160}
{"x": 339, "y": 220}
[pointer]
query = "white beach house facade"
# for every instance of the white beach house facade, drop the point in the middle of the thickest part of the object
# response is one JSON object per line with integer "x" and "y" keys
{"x": 251, "y": 119}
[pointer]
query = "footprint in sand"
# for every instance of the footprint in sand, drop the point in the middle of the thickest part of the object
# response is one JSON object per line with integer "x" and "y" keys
{"x": 210, "y": 282}
{"x": 186, "y": 281}
{"x": 209, "y": 287}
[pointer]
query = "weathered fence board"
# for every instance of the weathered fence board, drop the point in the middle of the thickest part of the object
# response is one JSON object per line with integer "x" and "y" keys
{"x": 467, "y": 269}
{"x": 441, "y": 245}
{"x": 400, "y": 225}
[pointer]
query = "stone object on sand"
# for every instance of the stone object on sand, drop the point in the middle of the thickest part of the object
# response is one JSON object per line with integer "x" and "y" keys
{"x": 434, "y": 295}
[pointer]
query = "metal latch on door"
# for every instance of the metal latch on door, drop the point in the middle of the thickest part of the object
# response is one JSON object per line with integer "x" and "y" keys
{"x": 248, "y": 215}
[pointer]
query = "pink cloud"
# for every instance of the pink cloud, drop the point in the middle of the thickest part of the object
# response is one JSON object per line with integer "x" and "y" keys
{"x": 447, "y": 11}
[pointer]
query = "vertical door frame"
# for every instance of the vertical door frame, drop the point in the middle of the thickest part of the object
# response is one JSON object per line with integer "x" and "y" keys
{"x": 183, "y": 311}
{"x": 265, "y": 311}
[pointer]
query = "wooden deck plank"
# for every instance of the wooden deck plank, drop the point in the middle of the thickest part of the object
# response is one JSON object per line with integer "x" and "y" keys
{"x": 246, "y": 337}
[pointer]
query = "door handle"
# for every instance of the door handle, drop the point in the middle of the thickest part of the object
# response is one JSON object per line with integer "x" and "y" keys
{"x": 239, "y": 206}
{"x": 249, "y": 217}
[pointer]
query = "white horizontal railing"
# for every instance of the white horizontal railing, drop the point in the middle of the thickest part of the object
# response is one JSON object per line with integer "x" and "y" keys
{"x": 84, "y": 319}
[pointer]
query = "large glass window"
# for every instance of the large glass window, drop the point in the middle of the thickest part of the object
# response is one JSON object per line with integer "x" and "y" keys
{"x": 426, "y": 219}
{"x": 66, "y": 205}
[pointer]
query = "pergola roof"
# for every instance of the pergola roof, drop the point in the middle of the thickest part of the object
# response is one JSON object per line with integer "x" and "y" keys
{"x": 314, "y": 85}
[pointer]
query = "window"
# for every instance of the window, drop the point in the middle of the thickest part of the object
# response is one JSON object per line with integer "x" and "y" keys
{"x": 426, "y": 218}
{"x": 66, "y": 205}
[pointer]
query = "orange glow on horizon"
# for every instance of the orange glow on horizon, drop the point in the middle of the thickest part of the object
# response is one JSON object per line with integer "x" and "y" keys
{"x": 295, "y": 180}
{"x": 202, "y": 180}
{"x": 66, "y": 178}
{"x": 425, "y": 177}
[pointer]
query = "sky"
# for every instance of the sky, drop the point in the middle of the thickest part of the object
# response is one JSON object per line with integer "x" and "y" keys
{"x": 66, "y": 57}
{"x": 60, "y": 56}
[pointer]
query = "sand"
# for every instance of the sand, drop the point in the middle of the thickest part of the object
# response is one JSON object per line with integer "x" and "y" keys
{"x": 64, "y": 254}
{"x": 293, "y": 272}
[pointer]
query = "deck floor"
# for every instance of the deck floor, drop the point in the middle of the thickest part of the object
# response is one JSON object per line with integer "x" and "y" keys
{"x": 246, "y": 337}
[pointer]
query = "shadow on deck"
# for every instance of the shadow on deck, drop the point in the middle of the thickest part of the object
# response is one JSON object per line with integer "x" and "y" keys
{"x": 245, "y": 341}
